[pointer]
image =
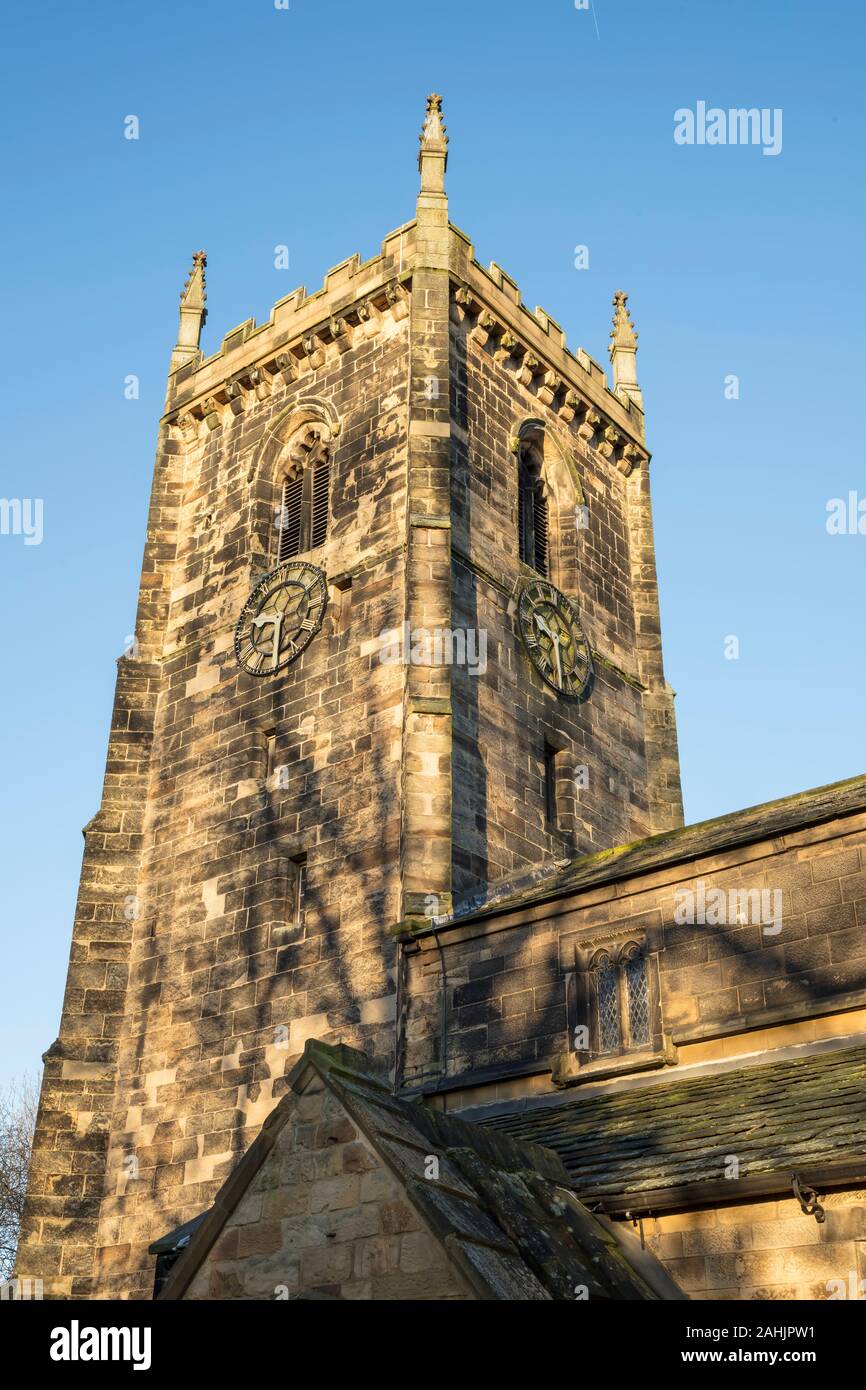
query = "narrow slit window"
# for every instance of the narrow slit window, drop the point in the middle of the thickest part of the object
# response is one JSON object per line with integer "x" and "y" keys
{"x": 342, "y": 597}
{"x": 270, "y": 738}
{"x": 550, "y": 807}
{"x": 297, "y": 890}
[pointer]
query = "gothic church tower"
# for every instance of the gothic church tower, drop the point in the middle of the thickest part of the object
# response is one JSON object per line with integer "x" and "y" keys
{"x": 397, "y": 643}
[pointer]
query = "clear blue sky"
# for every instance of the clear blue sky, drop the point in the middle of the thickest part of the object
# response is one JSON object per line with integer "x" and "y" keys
{"x": 261, "y": 126}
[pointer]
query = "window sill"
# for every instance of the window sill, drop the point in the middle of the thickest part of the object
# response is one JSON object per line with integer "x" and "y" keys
{"x": 568, "y": 1071}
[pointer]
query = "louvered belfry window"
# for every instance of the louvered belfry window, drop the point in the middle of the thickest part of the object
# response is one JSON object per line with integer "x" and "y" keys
{"x": 533, "y": 524}
{"x": 321, "y": 490}
{"x": 539, "y": 517}
{"x": 305, "y": 498}
{"x": 290, "y": 517}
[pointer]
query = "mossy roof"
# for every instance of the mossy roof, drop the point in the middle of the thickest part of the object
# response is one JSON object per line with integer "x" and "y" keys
{"x": 689, "y": 842}
{"x": 805, "y": 1115}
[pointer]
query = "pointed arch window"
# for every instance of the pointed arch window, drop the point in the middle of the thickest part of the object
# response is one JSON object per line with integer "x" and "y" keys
{"x": 533, "y": 518}
{"x": 620, "y": 1000}
{"x": 606, "y": 1002}
{"x": 303, "y": 512}
{"x": 637, "y": 995}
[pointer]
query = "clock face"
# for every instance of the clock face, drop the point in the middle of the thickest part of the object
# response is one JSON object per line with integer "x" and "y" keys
{"x": 280, "y": 618}
{"x": 554, "y": 639}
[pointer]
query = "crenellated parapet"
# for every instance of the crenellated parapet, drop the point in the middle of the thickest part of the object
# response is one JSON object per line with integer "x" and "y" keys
{"x": 595, "y": 417}
{"x": 359, "y": 299}
{"x": 224, "y": 386}
{"x": 491, "y": 289}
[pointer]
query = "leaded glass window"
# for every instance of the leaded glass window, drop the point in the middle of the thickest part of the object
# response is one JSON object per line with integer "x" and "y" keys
{"x": 637, "y": 993}
{"x": 620, "y": 999}
{"x": 607, "y": 1001}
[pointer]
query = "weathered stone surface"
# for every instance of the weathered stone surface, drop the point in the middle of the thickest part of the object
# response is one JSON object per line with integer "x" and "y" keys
{"x": 407, "y": 789}
{"x": 500, "y": 1229}
{"x": 754, "y": 980}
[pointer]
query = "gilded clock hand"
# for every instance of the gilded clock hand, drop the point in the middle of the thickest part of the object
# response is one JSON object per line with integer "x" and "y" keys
{"x": 555, "y": 639}
{"x": 277, "y": 620}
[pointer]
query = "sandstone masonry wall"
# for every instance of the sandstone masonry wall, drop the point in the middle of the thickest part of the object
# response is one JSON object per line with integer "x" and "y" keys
{"x": 159, "y": 1084}
{"x": 324, "y": 1215}
{"x": 504, "y": 718}
{"x": 495, "y": 998}
{"x": 765, "y": 1250}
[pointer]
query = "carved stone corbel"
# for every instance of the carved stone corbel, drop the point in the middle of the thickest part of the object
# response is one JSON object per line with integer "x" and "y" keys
{"x": 548, "y": 389}
{"x": 313, "y": 351}
{"x": 609, "y": 441}
{"x": 236, "y": 396}
{"x": 341, "y": 334}
{"x": 461, "y": 304}
{"x": 398, "y": 300}
{"x": 630, "y": 458}
{"x": 267, "y": 375}
{"x": 369, "y": 317}
{"x": 506, "y": 347}
{"x": 260, "y": 381}
{"x": 569, "y": 406}
{"x": 589, "y": 424}
{"x": 528, "y": 370}
{"x": 287, "y": 365}
{"x": 187, "y": 427}
{"x": 213, "y": 416}
{"x": 484, "y": 328}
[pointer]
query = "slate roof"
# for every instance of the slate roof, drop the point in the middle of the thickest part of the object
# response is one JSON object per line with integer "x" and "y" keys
{"x": 503, "y": 1209}
{"x": 723, "y": 833}
{"x": 802, "y": 1115}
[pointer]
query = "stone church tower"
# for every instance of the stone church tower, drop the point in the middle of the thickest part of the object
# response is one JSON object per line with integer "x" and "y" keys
{"x": 397, "y": 645}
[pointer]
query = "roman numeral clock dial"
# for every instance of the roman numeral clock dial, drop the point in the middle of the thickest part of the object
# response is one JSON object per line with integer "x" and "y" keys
{"x": 280, "y": 618}
{"x": 554, "y": 638}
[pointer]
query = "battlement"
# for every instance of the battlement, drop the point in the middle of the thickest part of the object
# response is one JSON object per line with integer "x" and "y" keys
{"x": 304, "y": 324}
{"x": 357, "y": 297}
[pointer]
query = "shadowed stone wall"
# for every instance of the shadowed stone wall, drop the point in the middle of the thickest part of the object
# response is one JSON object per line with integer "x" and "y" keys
{"x": 190, "y": 986}
{"x": 491, "y": 1005}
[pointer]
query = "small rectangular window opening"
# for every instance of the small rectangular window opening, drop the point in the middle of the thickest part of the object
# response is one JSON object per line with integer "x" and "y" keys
{"x": 270, "y": 738}
{"x": 342, "y": 600}
{"x": 550, "y": 806}
{"x": 297, "y": 888}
